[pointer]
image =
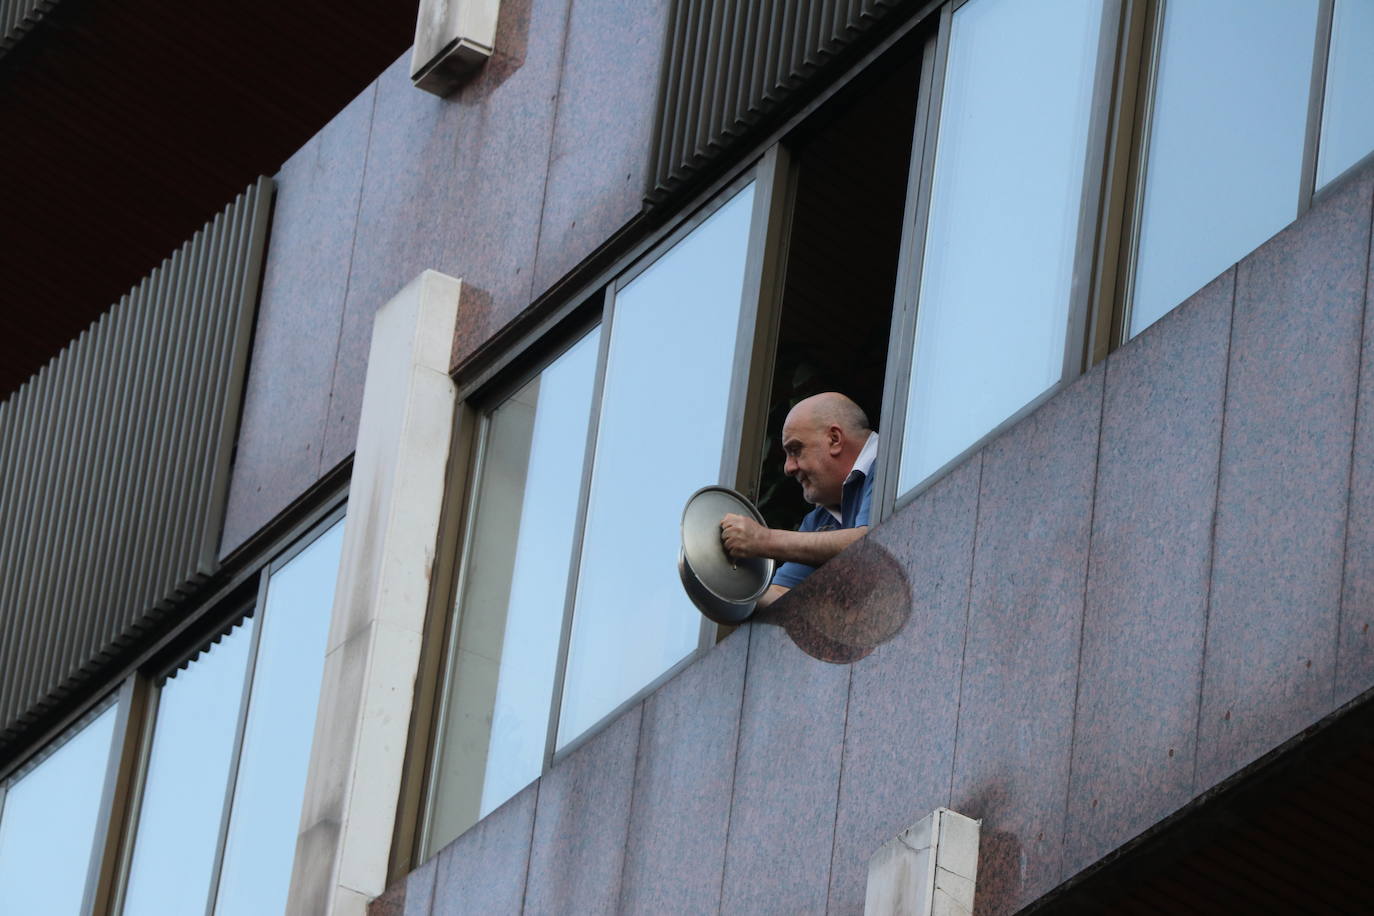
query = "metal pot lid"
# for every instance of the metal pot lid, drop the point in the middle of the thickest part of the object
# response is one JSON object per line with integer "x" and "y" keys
{"x": 704, "y": 556}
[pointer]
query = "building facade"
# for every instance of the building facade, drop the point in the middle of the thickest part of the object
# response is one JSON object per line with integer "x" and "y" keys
{"x": 339, "y": 553}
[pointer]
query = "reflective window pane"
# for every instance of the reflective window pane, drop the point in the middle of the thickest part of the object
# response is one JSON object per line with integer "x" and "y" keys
{"x": 1225, "y": 142}
{"x": 1348, "y": 111}
{"x": 660, "y": 438}
{"x": 266, "y": 810}
{"x": 47, "y": 825}
{"x": 180, "y": 815}
{"x": 1004, "y": 216}
{"x": 515, "y": 588}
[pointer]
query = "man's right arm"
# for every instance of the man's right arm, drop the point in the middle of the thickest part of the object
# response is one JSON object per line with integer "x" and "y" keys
{"x": 773, "y": 594}
{"x": 744, "y": 537}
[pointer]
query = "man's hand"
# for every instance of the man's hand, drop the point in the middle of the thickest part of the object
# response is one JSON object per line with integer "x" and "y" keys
{"x": 743, "y": 537}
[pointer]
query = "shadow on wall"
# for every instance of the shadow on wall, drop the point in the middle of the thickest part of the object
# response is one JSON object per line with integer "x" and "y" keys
{"x": 508, "y": 56}
{"x": 857, "y": 602}
{"x": 1001, "y": 856}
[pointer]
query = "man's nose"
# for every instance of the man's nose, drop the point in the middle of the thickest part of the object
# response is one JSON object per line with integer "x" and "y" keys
{"x": 789, "y": 466}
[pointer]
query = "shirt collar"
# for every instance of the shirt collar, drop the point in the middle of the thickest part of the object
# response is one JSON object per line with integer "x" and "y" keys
{"x": 863, "y": 466}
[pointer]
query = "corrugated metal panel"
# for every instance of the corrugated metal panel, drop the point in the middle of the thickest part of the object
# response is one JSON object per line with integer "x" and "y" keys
{"x": 17, "y": 17}
{"x": 729, "y": 63}
{"x": 114, "y": 462}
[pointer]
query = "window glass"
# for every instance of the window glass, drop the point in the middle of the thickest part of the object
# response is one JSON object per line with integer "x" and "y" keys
{"x": 1004, "y": 216}
{"x": 1348, "y": 112}
{"x": 515, "y": 589}
{"x": 48, "y": 823}
{"x": 266, "y": 809}
{"x": 181, "y": 812}
{"x": 1225, "y": 142}
{"x": 660, "y": 438}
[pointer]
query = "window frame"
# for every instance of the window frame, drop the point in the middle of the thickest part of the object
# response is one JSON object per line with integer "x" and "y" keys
{"x": 236, "y": 594}
{"x": 1138, "y": 77}
{"x": 1110, "y": 215}
{"x": 1084, "y": 307}
{"x": 257, "y": 610}
{"x": 773, "y": 179}
{"x": 123, "y": 699}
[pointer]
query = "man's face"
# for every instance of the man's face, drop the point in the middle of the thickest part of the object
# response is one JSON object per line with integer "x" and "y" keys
{"x": 812, "y": 451}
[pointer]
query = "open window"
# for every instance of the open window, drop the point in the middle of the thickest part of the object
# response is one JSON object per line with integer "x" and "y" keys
{"x": 567, "y": 602}
{"x": 674, "y": 374}
{"x": 834, "y": 314}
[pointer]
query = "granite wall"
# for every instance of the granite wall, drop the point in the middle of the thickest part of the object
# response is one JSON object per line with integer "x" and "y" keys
{"x": 507, "y": 184}
{"x": 1160, "y": 575}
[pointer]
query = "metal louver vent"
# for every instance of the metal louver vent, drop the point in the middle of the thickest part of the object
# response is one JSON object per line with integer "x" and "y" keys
{"x": 114, "y": 462}
{"x": 729, "y": 63}
{"x": 17, "y": 17}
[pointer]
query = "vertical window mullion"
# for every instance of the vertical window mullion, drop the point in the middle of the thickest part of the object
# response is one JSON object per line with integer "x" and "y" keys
{"x": 137, "y": 787}
{"x": 580, "y": 525}
{"x": 1078, "y": 355}
{"x": 474, "y": 469}
{"x": 121, "y": 773}
{"x": 245, "y": 698}
{"x": 1307, "y": 185}
{"x": 1152, "y": 39}
{"x": 757, "y": 332}
{"x": 1124, "y": 126}
{"x": 752, "y": 366}
{"x": 902, "y": 338}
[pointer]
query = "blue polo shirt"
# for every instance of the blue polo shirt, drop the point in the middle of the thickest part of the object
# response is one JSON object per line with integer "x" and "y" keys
{"x": 856, "y": 501}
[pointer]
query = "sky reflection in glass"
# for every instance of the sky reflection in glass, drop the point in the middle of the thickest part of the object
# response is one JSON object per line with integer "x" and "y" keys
{"x": 1008, "y": 183}
{"x": 1226, "y": 142}
{"x": 47, "y": 826}
{"x": 1348, "y": 112}
{"x": 266, "y": 812}
{"x": 188, "y": 770}
{"x": 500, "y": 687}
{"x": 660, "y": 438}
{"x": 539, "y": 581}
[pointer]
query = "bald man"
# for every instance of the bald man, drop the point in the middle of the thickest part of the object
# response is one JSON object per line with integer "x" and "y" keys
{"x": 830, "y": 451}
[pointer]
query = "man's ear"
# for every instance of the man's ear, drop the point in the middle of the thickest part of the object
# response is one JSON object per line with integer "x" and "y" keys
{"x": 834, "y": 440}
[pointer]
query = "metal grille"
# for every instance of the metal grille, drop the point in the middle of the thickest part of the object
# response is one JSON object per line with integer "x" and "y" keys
{"x": 730, "y": 63}
{"x": 114, "y": 463}
{"x": 17, "y": 17}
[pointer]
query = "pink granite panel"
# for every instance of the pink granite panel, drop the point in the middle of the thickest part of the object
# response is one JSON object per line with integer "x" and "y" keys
{"x": 456, "y": 185}
{"x": 392, "y": 901}
{"x": 582, "y": 824}
{"x": 904, "y": 698}
{"x": 484, "y": 870}
{"x": 782, "y": 817}
{"x": 1285, "y": 478}
{"x": 675, "y": 857}
{"x": 419, "y": 889}
{"x": 607, "y": 105}
{"x": 1011, "y": 760}
{"x": 1146, "y": 614}
{"x": 281, "y": 435}
{"x": 1355, "y": 667}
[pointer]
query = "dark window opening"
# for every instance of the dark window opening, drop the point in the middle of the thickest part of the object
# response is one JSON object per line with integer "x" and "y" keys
{"x": 836, "y": 311}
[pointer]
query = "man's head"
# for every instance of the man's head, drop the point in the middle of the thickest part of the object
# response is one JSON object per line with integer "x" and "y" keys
{"x": 821, "y": 438}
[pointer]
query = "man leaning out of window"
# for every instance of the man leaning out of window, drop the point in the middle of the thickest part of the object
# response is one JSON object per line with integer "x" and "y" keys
{"x": 830, "y": 451}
